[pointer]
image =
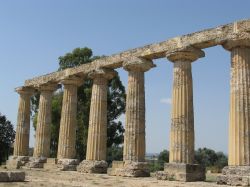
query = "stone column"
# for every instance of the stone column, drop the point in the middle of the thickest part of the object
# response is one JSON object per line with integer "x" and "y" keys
{"x": 97, "y": 133}
{"x": 238, "y": 171}
{"x": 181, "y": 151}
{"x": 134, "y": 139}
{"x": 21, "y": 146}
{"x": 67, "y": 133}
{"x": 42, "y": 145}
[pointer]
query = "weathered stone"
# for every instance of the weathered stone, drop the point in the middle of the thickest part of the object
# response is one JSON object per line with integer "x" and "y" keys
{"x": 235, "y": 176}
{"x": 42, "y": 143}
{"x": 67, "y": 134}
{"x": 97, "y": 132}
{"x": 239, "y": 126}
{"x": 12, "y": 176}
{"x": 93, "y": 166}
{"x": 67, "y": 164}
{"x": 21, "y": 145}
{"x": 36, "y": 162}
{"x": 16, "y": 162}
{"x": 129, "y": 169}
{"x": 182, "y": 172}
{"x": 182, "y": 125}
{"x": 202, "y": 39}
{"x": 134, "y": 138}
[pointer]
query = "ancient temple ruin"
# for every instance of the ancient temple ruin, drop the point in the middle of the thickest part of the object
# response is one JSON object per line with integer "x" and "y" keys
{"x": 181, "y": 51}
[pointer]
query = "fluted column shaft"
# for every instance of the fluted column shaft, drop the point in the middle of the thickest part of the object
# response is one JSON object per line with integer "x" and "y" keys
{"x": 134, "y": 138}
{"x": 67, "y": 133}
{"x": 97, "y": 132}
{"x": 21, "y": 145}
{"x": 239, "y": 120}
{"x": 182, "y": 117}
{"x": 43, "y": 130}
{"x": 134, "y": 143}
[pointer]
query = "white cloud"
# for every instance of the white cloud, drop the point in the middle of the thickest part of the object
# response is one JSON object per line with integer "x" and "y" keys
{"x": 166, "y": 101}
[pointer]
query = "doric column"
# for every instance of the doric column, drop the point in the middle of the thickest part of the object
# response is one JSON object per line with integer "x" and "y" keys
{"x": 181, "y": 165}
{"x": 238, "y": 170}
{"x": 67, "y": 134}
{"x": 42, "y": 145}
{"x": 239, "y": 120}
{"x": 134, "y": 138}
{"x": 97, "y": 133}
{"x": 133, "y": 164}
{"x": 21, "y": 146}
{"x": 182, "y": 118}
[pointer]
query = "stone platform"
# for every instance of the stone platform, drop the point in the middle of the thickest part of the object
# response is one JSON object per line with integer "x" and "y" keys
{"x": 235, "y": 176}
{"x": 129, "y": 169}
{"x": 182, "y": 172}
{"x": 92, "y": 166}
{"x": 12, "y": 176}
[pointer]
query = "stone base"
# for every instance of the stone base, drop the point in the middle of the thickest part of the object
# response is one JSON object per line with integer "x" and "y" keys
{"x": 16, "y": 162}
{"x": 129, "y": 169}
{"x": 182, "y": 172}
{"x": 92, "y": 166}
{"x": 12, "y": 176}
{"x": 67, "y": 164}
{"x": 36, "y": 162}
{"x": 235, "y": 176}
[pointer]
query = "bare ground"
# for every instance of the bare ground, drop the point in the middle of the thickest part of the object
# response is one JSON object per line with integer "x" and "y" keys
{"x": 43, "y": 178}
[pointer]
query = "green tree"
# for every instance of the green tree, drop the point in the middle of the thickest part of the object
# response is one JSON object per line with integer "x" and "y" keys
{"x": 116, "y": 105}
{"x": 210, "y": 159}
{"x": 7, "y": 136}
{"x": 159, "y": 164}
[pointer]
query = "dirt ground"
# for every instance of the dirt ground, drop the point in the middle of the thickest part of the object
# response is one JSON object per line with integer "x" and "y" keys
{"x": 42, "y": 178}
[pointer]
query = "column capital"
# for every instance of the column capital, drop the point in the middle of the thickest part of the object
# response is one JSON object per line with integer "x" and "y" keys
{"x": 138, "y": 64}
{"x": 25, "y": 90}
{"x": 188, "y": 54}
{"x": 73, "y": 80}
{"x": 48, "y": 87}
{"x": 102, "y": 73}
{"x": 231, "y": 44}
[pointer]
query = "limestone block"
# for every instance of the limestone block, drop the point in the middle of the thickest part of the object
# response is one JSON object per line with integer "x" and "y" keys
{"x": 67, "y": 164}
{"x": 129, "y": 169}
{"x": 182, "y": 172}
{"x": 16, "y": 162}
{"x": 12, "y": 176}
{"x": 235, "y": 176}
{"x": 93, "y": 166}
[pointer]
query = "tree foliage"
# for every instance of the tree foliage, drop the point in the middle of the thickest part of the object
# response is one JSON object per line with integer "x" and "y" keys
{"x": 211, "y": 159}
{"x": 158, "y": 165}
{"x": 115, "y": 99}
{"x": 7, "y": 136}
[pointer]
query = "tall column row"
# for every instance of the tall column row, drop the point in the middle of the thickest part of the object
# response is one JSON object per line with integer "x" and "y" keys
{"x": 182, "y": 139}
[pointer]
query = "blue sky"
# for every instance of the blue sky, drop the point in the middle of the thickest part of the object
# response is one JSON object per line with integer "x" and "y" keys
{"x": 33, "y": 34}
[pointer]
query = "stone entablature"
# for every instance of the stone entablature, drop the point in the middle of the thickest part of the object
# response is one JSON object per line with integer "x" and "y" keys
{"x": 202, "y": 39}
